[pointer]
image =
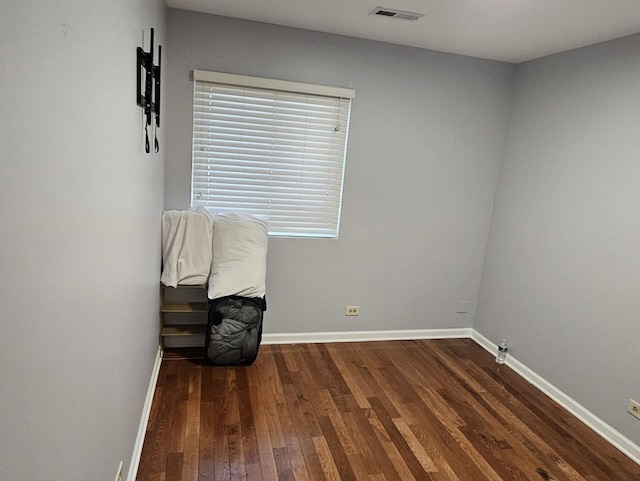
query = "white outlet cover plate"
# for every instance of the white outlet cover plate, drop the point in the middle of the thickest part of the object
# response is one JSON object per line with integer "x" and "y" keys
{"x": 634, "y": 408}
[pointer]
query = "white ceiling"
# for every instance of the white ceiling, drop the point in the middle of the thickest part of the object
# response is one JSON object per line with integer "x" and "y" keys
{"x": 507, "y": 30}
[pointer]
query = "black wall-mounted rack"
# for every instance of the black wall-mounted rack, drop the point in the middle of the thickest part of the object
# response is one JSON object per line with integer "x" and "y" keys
{"x": 149, "y": 99}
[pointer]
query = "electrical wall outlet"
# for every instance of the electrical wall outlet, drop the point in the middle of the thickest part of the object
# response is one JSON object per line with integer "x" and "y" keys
{"x": 352, "y": 311}
{"x": 119, "y": 473}
{"x": 634, "y": 408}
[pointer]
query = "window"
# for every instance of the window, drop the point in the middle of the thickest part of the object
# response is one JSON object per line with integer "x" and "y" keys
{"x": 270, "y": 148}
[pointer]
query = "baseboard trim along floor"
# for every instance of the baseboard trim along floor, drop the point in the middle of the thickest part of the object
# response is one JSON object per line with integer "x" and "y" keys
{"x": 144, "y": 419}
{"x": 362, "y": 336}
{"x": 614, "y": 437}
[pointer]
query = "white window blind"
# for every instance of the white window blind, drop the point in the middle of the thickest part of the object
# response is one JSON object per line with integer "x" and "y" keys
{"x": 270, "y": 148}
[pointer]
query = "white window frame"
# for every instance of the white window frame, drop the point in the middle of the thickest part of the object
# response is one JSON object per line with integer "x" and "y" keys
{"x": 271, "y": 148}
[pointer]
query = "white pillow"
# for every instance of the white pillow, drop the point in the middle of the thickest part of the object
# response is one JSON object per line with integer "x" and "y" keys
{"x": 239, "y": 264}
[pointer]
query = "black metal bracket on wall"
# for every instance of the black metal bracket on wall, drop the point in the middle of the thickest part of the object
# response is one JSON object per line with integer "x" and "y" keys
{"x": 148, "y": 89}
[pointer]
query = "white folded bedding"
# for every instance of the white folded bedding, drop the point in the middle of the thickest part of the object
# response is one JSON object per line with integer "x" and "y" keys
{"x": 187, "y": 238}
{"x": 239, "y": 264}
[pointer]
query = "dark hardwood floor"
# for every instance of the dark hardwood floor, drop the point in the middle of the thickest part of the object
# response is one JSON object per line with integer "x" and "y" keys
{"x": 397, "y": 411}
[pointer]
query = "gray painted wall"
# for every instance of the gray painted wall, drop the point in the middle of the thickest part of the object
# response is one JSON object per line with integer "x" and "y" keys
{"x": 561, "y": 273}
{"x": 80, "y": 205}
{"x": 424, "y": 149}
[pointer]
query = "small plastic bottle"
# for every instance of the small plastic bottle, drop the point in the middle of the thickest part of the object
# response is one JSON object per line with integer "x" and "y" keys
{"x": 502, "y": 352}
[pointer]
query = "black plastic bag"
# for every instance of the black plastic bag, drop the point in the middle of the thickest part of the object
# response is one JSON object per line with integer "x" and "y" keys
{"x": 234, "y": 330}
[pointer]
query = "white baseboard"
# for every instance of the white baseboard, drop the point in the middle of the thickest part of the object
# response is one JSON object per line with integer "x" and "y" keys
{"x": 628, "y": 447}
{"x": 144, "y": 419}
{"x": 359, "y": 336}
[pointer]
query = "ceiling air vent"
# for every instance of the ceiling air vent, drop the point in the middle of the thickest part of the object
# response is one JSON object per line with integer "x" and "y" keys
{"x": 397, "y": 14}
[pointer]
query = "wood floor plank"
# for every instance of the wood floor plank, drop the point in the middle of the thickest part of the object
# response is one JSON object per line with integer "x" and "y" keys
{"x": 418, "y": 451}
{"x": 305, "y": 424}
{"x": 301, "y": 407}
{"x": 246, "y": 425}
{"x": 432, "y": 410}
{"x": 181, "y": 392}
{"x": 398, "y": 441}
{"x": 237, "y": 469}
{"x": 336, "y": 448}
{"x": 264, "y": 444}
{"x": 389, "y": 461}
{"x": 334, "y": 415}
{"x": 283, "y": 464}
{"x": 191, "y": 451}
{"x": 220, "y": 438}
{"x": 440, "y": 455}
{"x": 174, "y": 466}
{"x": 270, "y": 409}
{"x": 347, "y": 362}
{"x": 292, "y": 443}
{"x": 371, "y": 454}
{"x": 154, "y": 412}
{"x": 178, "y": 427}
{"x": 206, "y": 441}
{"x": 195, "y": 384}
{"x": 153, "y": 458}
{"x": 327, "y": 464}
